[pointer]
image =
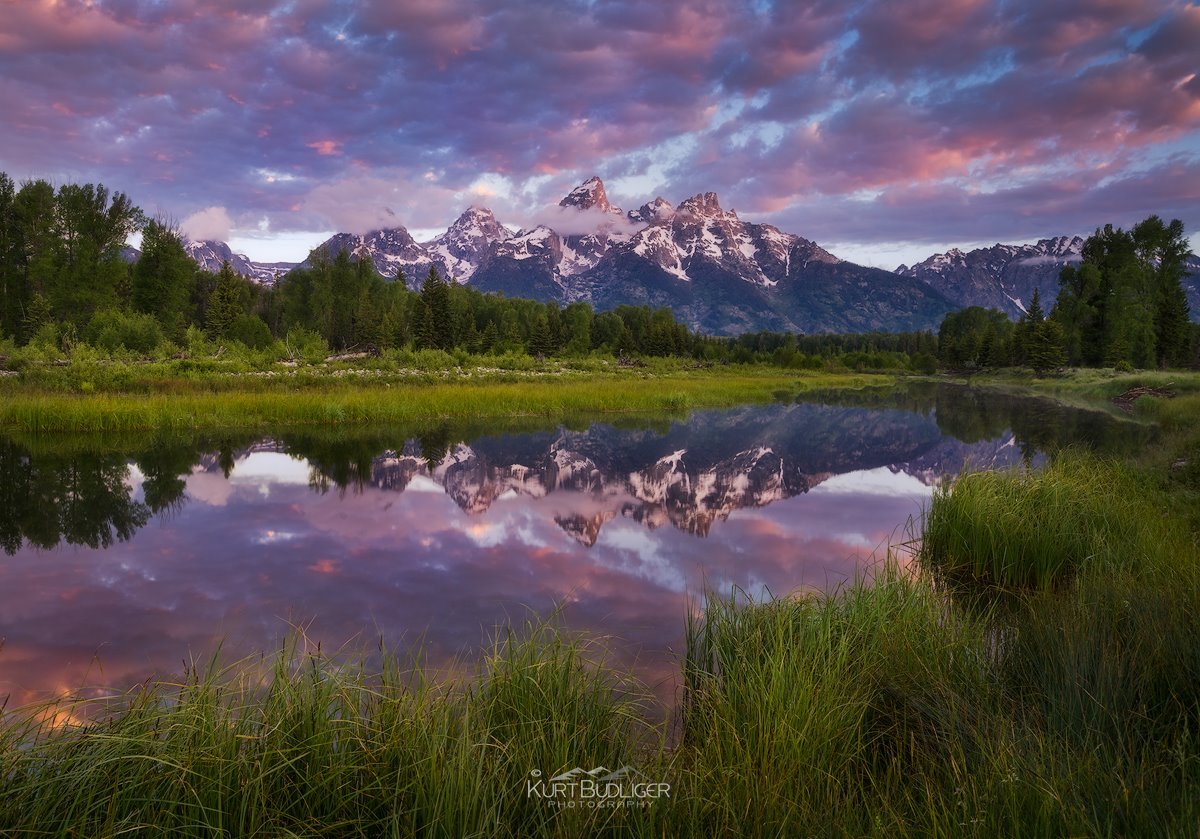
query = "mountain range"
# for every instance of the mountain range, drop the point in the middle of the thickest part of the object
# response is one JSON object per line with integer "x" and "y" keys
{"x": 718, "y": 273}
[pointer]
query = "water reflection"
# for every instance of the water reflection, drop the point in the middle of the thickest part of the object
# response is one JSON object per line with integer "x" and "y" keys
{"x": 131, "y": 556}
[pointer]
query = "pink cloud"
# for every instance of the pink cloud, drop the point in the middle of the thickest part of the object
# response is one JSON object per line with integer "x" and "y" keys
{"x": 326, "y": 147}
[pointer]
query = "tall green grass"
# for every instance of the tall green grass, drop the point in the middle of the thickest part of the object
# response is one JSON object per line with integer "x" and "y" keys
{"x": 820, "y": 715}
{"x": 1039, "y": 529}
{"x": 304, "y": 746}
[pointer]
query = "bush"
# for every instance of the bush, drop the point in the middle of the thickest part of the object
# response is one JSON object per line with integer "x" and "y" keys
{"x": 306, "y": 345}
{"x": 251, "y": 331}
{"x": 44, "y": 346}
{"x": 113, "y": 330}
{"x": 197, "y": 342}
{"x": 925, "y": 363}
{"x": 1123, "y": 366}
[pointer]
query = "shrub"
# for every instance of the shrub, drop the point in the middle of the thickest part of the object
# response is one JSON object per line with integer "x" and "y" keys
{"x": 113, "y": 330}
{"x": 924, "y": 362}
{"x": 251, "y": 331}
{"x": 306, "y": 345}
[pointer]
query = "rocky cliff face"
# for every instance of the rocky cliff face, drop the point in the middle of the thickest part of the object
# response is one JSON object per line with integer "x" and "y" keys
{"x": 1000, "y": 277}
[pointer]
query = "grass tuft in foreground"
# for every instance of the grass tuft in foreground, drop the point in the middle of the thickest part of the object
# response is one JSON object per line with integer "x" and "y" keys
{"x": 304, "y": 746}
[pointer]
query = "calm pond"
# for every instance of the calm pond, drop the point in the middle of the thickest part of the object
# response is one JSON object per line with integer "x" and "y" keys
{"x": 122, "y": 558}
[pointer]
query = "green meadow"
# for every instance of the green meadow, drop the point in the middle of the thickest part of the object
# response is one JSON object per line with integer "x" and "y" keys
{"x": 186, "y": 395}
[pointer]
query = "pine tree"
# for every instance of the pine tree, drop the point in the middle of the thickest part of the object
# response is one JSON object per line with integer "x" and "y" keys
{"x": 1163, "y": 251}
{"x": 37, "y": 314}
{"x": 540, "y": 341}
{"x": 1027, "y": 327}
{"x": 423, "y": 334}
{"x": 470, "y": 337}
{"x": 490, "y": 337}
{"x": 436, "y": 296}
{"x": 1046, "y": 347}
{"x": 224, "y": 304}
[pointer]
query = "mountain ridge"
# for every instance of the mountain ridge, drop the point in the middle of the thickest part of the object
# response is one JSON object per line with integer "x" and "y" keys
{"x": 717, "y": 272}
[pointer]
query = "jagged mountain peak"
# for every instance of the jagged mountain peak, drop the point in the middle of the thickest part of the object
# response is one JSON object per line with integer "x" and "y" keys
{"x": 474, "y": 213}
{"x": 660, "y": 209}
{"x": 716, "y": 272}
{"x": 1061, "y": 245}
{"x": 211, "y": 255}
{"x": 587, "y": 195}
{"x": 1002, "y": 276}
{"x": 468, "y": 243}
{"x": 475, "y": 224}
{"x": 705, "y": 205}
{"x": 392, "y": 250}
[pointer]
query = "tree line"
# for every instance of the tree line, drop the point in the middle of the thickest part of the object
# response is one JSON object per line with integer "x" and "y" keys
{"x": 1122, "y": 306}
{"x": 65, "y": 278}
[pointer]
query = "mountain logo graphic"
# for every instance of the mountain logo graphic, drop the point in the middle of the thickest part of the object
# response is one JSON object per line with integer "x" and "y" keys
{"x": 600, "y": 773}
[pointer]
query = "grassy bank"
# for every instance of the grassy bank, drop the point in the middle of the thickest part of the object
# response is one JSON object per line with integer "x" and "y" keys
{"x": 227, "y": 403}
{"x": 1171, "y": 467}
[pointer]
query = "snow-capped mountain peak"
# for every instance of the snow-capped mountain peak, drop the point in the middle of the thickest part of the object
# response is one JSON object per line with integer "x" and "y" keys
{"x": 587, "y": 195}
{"x": 1002, "y": 276}
{"x": 704, "y": 205}
{"x": 660, "y": 209}
{"x": 468, "y": 243}
{"x": 211, "y": 256}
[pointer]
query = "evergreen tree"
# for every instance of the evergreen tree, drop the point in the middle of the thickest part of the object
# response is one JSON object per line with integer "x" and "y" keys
{"x": 973, "y": 338}
{"x": 1047, "y": 348}
{"x": 540, "y": 341}
{"x": 470, "y": 337}
{"x": 224, "y": 306}
{"x": 1163, "y": 251}
{"x": 1027, "y": 327}
{"x": 490, "y": 337}
{"x": 37, "y": 314}
{"x": 436, "y": 296}
{"x": 367, "y": 320}
{"x": 14, "y": 292}
{"x": 423, "y": 336}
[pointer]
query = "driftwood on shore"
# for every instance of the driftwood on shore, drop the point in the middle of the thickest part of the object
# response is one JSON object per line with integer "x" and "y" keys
{"x": 1125, "y": 400}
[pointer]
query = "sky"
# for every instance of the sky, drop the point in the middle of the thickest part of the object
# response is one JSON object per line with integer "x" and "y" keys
{"x": 885, "y": 131}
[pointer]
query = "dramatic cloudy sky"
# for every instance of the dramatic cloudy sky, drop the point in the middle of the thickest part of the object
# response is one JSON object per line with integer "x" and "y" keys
{"x": 884, "y": 130}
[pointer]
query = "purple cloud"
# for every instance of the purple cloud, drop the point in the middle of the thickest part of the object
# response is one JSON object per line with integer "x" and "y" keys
{"x": 322, "y": 114}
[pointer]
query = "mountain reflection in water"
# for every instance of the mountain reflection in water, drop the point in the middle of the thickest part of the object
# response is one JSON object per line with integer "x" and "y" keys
{"x": 122, "y": 559}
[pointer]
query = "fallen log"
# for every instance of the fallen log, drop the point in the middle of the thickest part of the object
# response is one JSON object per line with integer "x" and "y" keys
{"x": 1125, "y": 400}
